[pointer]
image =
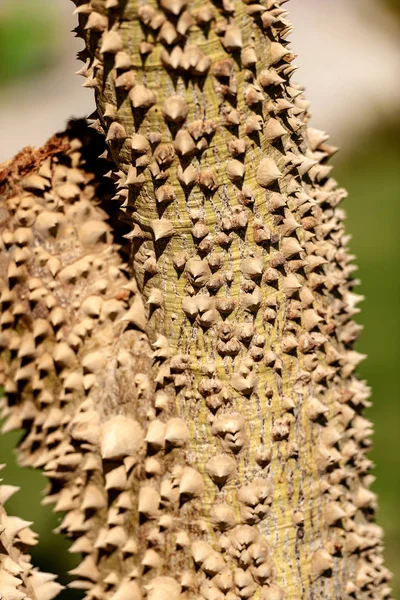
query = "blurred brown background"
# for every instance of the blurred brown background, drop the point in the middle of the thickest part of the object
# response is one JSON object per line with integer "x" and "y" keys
{"x": 349, "y": 62}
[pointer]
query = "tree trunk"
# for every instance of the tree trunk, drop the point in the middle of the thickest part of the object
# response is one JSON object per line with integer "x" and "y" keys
{"x": 240, "y": 253}
{"x": 228, "y": 462}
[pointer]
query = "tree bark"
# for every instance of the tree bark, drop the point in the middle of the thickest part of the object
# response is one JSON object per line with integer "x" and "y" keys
{"x": 240, "y": 251}
{"x": 70, "y": 360}
{"x": 202, "y": 427}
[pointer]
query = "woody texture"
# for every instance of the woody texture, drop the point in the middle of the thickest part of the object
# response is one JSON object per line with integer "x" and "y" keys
{"x": 176, "y": 324}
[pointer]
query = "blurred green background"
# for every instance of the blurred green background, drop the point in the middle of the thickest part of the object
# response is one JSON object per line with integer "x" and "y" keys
{"x": 368, "y": 166}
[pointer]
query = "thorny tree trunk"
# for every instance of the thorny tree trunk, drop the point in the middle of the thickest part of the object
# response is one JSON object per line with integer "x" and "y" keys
{"x": 228, "y": 461}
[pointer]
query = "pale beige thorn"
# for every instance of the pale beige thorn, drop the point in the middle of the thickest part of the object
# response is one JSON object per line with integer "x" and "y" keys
{"x": 54, "y": 265}
{"x": 125, "y": 81}
{"x": 364, "y": 498}
{"x": 96, "y": 21}
{"x": 137, "y": 314}
{"x": 45, "y": 590}
{"x": 269, "y": 77}
{"x": 255, "y": 9}
{"x": 290, "y": 285}
{"x": 53, "y": 418}
{"x": 156, "y": 297}
{"x": 9, "y": 565}
{"x": 11, "y": 592}
{"x": 188, "y": 176}
{"x": 252, "y": 268}
{"x": 316, "y": 137}
{"x": 223, "y": 517}
{"x": 91, "y": 306}
{"x": 333, "y": 513}
{"x": 141, "y": 96}
{"x": 321, "y": 562}
{"x": 232, "y": 39}
{"x": 111, "y": 42}
{"x": 162, "y": 228}
{"x": 120, "y": 436}
{"x": 185, "y": 22}
{"x": 63, "y": 355}
{"x": 176, "y": 432}
{"x": 290, "y": 246}
{"x": 131, "y": 547}
{"x": 191, "y": 483}
{"x": 249, "y": 57}
{"x": 116, "y": 537}
{"x": 6, "y": 492}
{"x": 116, "y": 132}
{"x": 134, "y": 178}
{"x": 237, "y": 146}
{"x": 87, "y": 568}
{"x": 14, "y": 525}
{"x": 117, "y": 479}
{"x": 221, "y": 468}
{"x": 123, "y": 60}
{"x": 162, "y": 349}
{"x": 35, "y": 183}
{"x": 183, "y": 143}
{"x": 23, "y": 236}
{"x": 268, "y": 19}
{"x": 110, "y": 111}
{"x": 24, "y": 373}
{"x": 201, "y": 551}
{"x": 83, "y": 9}
{"x": 175, "y": 109}
{"x": 172, "y": 59}
{"x": 311, "y": 319}
{"x": 182, "y": 538}
{"x": 161, "y": 400}
{"x": 272, "y": 592}
{"x": 204, "y": 14}
{"x": 173, "y": 6}
{"x": 152, "y": 466}
{"x": 253, "y": 95}
{"x": 151, "y": 559}
{"x": 267, "y": 172}
{"x": 128, "y": 590}
{"x": 235, "y": 170}
{"x": 27, "y": 347}
{"x": 111, "y": 579}
{"x": 155, "y": 436}
{"x": 81, "y": 584}
{"x": 306, "y": 165}
{"x": 148, "y": 501}
{"x": 273, "y": 130}
{"x": 140, "y": 143}
{"x": 145, "y": 48}
{"x": 89, "y": 381}
{"x": 22, "y": 256}
{"x": 168, "y": 33}
{"x": 315, "y": 408}
{"x": 233, "y": 117}
{"x": 49, "y": 223}
{"x": 163, "y": 588}
{"x": 93, "y": 498}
